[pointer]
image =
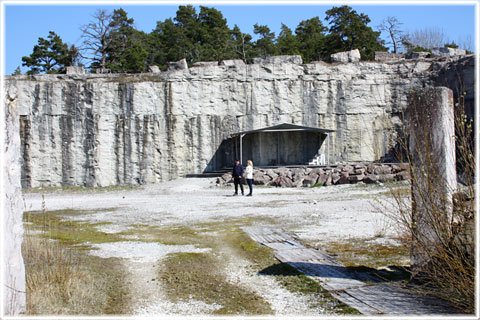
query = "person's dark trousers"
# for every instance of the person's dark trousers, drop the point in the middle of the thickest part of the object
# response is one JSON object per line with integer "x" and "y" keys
{"x": 250, "y": 186}
{"x": 236, "y": 182}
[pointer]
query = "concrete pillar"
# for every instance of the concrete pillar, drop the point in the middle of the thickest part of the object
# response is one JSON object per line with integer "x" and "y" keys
{"x": 13, "y": 277}
{"x": 431, "y": 126}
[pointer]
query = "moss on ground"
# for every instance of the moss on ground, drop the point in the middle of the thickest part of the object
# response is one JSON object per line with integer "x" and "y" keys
{"x": 200, "y": 276}
{"x": 68, "y": 232}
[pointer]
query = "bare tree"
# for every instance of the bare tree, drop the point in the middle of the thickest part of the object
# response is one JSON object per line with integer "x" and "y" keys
{"x": 391, "y": 25}
{"x": 96, "y": 40}
{"x": 427, "y": 38}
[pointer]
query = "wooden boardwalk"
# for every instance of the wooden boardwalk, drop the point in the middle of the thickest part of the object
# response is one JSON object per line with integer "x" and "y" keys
{"x": 352, "y": 288}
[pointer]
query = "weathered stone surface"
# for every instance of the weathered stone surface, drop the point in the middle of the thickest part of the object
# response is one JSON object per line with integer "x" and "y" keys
{"x": 278, "y": 60}
{"x": 106, "y": 129}
{"x": 179, "y": 65}
{"x": 154, "y": 69}
{"x": 386, "y": 177}
{"x": 75, "y": 70}
{"x": 446, "y": 52}
{"x": 371, "y": 178}
{"x": 431, "y": 127}
{"x": 232, "y": 63}
{"x": 418, "y": 55}
{"x": 205, "y": 64}
{"x": 13, "y": 287}
{"x": 309, "y": 181}
{"x": 382, "y": 170}
{"x": 347, "y": 56}
{"x": 386, "y": 56}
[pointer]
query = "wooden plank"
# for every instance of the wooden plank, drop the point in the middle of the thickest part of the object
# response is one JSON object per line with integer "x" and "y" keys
{"x": 343, "y": 284}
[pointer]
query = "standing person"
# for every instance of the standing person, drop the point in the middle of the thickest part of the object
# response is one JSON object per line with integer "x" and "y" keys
{"x": 249, "y": 176}
{"x": 237, "y": 174}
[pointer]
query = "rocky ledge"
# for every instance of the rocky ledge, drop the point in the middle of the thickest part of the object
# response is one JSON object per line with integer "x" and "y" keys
{"x": 325, "y": 176}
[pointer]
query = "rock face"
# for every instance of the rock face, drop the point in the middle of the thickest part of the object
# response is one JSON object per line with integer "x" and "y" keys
{"x": 106, "y": 129}
{"x": 13, "y": 279}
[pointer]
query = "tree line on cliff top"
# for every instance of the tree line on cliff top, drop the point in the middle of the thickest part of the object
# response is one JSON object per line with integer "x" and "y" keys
{"x": 111, "y": 41}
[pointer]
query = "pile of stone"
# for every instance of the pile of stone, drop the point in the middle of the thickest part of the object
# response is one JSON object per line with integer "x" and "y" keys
{"x": 325, "y": 176}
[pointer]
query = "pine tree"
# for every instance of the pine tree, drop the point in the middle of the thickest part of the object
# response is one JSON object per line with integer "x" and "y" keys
{"x": 50, "y": 55}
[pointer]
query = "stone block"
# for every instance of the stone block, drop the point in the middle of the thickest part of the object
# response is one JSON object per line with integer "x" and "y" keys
{"x": 75, "y": 70}
{"x": 347, "y": 56}
{"x": 418, "y": 55}
{"x": 179, "y": 65}
{"x": 448, "y": 52}
{"x": 154, "y": 69}
{"x": 370, "y": 178}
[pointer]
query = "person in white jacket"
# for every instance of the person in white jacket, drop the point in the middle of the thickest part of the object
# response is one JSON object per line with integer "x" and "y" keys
{"x": 249, "y": 176}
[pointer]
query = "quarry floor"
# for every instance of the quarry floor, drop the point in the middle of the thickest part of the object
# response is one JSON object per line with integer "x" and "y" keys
{"x": 319, "y": 217}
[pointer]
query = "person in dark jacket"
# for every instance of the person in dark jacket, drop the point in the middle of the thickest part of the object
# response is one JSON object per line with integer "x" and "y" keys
{"x": 237, "y": 174}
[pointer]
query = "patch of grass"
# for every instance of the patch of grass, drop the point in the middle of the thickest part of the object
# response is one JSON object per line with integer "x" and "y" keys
{"x": 295, "y": 281}
{"x": 198, "y": 276}
{"x": 63, "y": 280}
{"x": 67, "y": 232}
{"x": 361, "y": 252}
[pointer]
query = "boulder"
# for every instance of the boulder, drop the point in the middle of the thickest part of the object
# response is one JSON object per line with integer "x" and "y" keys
{"x": 371, "y": 167}
{"x": 308, "y": 182}
{"x": 75, "y": 70}
{"x": 179, "y": 65}
{"x": 271, "y": 173}
{"x": 403, "y": 175}
{"x": 335, "y": 177}
{"x": 329, "y": 181}
{"x": 281, "y": 181}
{"x": 356, "y": 178}
{"x": 347, "y": 56}
{"x": 386, "y": 177}
{"x": 344, "y": 179}
{"x": 153, "y": 69}
{"x": 447, "y": 52}
{"x": 322, "y": 179}
{"x": 370, "y": 178}
{"x": 382, "y": 170}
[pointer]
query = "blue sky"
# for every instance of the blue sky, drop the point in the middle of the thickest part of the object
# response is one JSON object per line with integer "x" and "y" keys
{"x": 25, "y": 23}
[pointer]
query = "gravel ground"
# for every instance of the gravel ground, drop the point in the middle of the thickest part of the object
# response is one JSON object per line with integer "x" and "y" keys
{"x": 316, "y": 215}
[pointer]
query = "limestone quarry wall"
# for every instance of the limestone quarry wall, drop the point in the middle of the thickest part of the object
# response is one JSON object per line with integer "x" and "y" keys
{"x": 98, "y": 130}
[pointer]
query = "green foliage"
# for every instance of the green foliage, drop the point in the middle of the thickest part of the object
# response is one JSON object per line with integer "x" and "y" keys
{"x": 50, "y": 55}
{"x": 311, "y": 38}
{"x": 240, "y": 44}
{"x": 111, "y": 41}
{"x": 287, "y": 43}
{"x": 451, "y": 45}
{"x": 17, "y": 72}
{"x": 349, "y": 30}
{"x": 264, "y": 45}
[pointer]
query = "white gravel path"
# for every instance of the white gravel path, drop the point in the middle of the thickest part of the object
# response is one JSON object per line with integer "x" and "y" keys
{"x": 317, "y": 215}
